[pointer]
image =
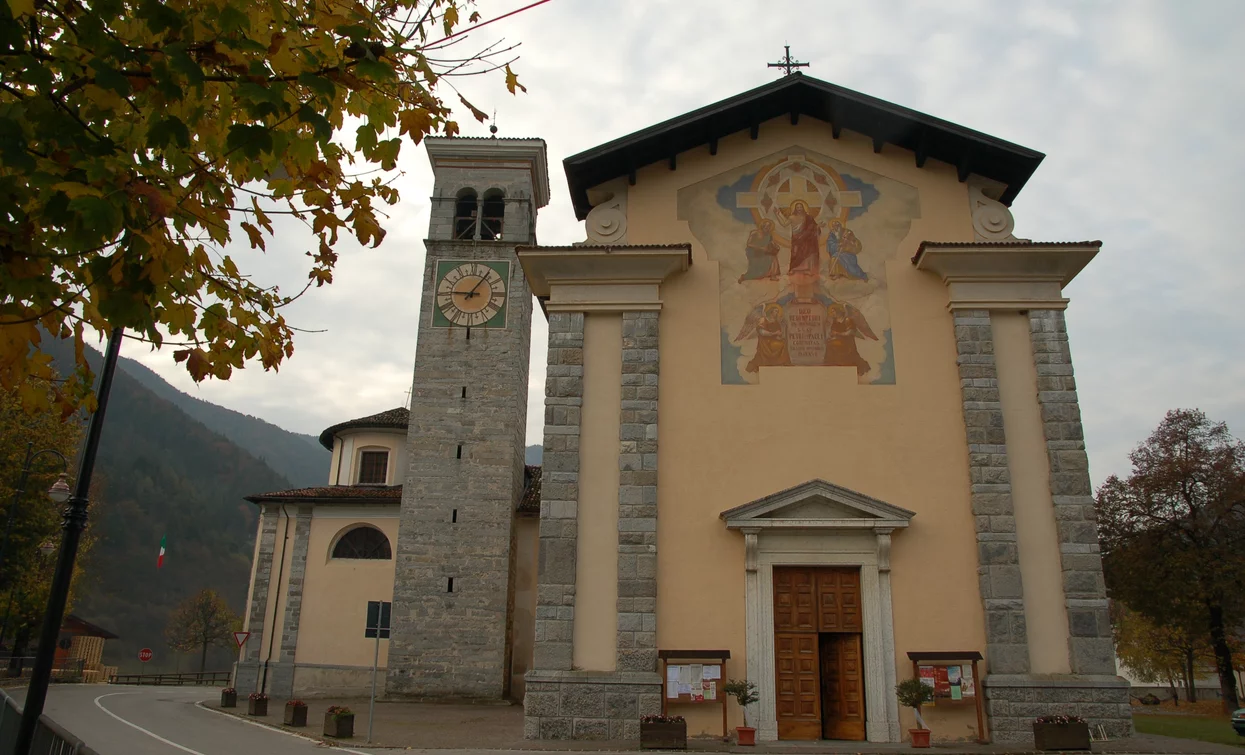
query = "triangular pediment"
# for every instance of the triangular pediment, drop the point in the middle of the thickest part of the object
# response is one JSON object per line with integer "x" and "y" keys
{"x": 817, "y": 504}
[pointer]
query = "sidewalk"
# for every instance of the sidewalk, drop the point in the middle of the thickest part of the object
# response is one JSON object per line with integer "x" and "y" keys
{"x": 435, "y": 726}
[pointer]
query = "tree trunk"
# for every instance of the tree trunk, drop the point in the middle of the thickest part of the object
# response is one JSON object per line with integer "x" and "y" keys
{"x": 1223, "y": 660}
{"x": 1189, "y": 679}
{"x": 1171, "y": 683}
{"x": 203, "y": 658}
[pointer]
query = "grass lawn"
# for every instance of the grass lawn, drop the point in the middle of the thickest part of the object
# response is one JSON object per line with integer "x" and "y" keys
{"x": 1205, "y": 728}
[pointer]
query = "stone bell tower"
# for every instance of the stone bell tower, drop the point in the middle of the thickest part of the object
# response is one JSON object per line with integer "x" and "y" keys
{"x": 453, "y": 587}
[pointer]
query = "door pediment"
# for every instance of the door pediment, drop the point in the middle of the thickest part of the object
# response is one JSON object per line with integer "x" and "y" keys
{"x": 817, "y": 504}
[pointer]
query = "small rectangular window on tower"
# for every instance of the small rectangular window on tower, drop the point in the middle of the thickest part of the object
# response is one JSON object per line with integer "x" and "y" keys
{"x": 373, "y": 467}
{"x": 454, "y": 516}
{"x": 460, "y": 451}
{"x": 464, "y": 391}
{"x": 449, "y": 586}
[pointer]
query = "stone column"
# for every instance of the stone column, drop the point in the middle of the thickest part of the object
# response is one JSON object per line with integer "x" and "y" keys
{"x": 637, "y": 495}
{"x": 281, "y": 678}
{"x": 246, "y": 678}
{"x": 1090, "y": 646}
{"x": 998, "y": 558}
{"x": 559, "y": 525}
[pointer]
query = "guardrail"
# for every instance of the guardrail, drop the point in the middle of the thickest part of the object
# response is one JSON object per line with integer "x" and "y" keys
{"x": 49, "y": 739}
{"x": 173, "y": 680}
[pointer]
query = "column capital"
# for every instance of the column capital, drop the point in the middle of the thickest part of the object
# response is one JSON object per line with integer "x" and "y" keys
{"x": 1006, "y": 275}
{"x": 602, "y": 278}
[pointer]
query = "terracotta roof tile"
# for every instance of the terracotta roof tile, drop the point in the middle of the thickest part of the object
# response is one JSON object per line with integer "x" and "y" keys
{"x": 398, "y": 417}
{"x": 530, "y": 502}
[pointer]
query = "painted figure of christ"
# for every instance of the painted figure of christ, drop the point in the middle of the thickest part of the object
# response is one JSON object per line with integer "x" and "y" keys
{"x": 805, "y": 243}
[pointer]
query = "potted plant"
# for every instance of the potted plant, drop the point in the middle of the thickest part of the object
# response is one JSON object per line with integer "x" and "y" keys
{"x": 662, "y": 732}
{"x": 257, "y": 704}
{"x": 229, "y": 698}
{"x": 912, "y": 693}
{"x": 339, "y": 722}
{"x": 745, "y": 693}
{"x": 1060, "y": 733}
{"x": 295, "y": 713}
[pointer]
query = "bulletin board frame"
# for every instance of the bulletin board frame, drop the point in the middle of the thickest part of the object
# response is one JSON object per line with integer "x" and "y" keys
{"x": 704, "y": 658}
{"x": 947, "y": 658}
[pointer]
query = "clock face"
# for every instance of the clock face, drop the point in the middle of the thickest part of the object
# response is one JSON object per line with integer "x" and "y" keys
{"x": 471, "y": 294}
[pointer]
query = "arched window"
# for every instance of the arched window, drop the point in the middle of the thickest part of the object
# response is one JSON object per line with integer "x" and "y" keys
{"x": 493, "y": 212}
{"x": 373, "y": 466}
{"x": 465, "y": 207}
{"x": 363, "y": 542}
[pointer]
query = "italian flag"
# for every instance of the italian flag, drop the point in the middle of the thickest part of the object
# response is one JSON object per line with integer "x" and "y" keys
{"x": 160, "y": 560}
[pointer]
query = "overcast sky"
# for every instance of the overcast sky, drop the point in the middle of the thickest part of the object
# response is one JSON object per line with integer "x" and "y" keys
{"x": 1137, "y": 105}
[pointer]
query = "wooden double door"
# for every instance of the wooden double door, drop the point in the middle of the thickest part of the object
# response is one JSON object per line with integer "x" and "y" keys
{"x": 819, "y": 653}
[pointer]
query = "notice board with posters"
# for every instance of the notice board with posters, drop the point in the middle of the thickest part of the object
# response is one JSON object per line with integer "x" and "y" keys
{"x": 953, "y": 677}
{"x": 695, "y": 677}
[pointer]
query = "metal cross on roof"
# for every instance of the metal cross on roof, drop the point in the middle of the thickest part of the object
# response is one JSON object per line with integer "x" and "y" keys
{"x": 787, "y": 63}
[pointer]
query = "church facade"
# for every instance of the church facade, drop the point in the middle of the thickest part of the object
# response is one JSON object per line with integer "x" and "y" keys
{"x": 809, "y": 403}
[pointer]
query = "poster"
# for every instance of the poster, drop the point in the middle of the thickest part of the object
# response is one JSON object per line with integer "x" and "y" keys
{"x": 712, "y": 672}
{"x": 672, "y": 689}
{"x": 927, "y": 676}
{"x": 967, "y": 688}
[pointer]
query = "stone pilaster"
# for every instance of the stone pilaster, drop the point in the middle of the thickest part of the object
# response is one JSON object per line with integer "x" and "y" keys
{"x": 281, "y": 673}
{"x": 559, "y": 494}
{"x": 637, "y": 495}
{"x": 246, "y": 678}
{"x": 1091, "y": 650}
{"x": 998, "y": 559}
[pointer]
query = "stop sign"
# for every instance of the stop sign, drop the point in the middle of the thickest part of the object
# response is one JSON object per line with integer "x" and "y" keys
{"x": 144, "y": 655}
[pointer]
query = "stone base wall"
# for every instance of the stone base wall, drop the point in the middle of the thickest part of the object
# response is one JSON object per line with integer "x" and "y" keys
{"x": 307, "y": 681}
{"x": 588, "y": 704}
{"x": 1013, "y": 702}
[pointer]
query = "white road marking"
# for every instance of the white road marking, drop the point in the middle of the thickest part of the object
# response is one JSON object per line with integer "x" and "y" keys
{"x": 153, "y": 735}
{"x": 313, "y": 740}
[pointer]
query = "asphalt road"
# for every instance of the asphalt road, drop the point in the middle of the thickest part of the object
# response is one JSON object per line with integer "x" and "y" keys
{"x": 119, "y": 720}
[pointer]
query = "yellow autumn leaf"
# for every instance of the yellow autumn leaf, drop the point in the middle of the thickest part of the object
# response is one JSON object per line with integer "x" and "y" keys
{"x": 22, "y": 8}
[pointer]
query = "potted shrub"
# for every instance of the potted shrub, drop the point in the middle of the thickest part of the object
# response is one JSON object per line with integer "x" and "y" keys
{"x": 745, "y": 693}
{"x": 257, "y": 704}
{"x": 1060, "y": 733}
{"x": 339, "y": 722}
{"x": 662, "y": 732}
{"x": 229, "y": 698}
{"x": 295, "y": 713}
{"x": 913, "y": 694}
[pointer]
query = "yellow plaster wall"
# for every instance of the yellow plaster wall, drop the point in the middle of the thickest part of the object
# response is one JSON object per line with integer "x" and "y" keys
{"x": 527, "y": 552}
{"x": 725, "y": 445}
{"x": 596, "y": 560}
{"x": 1046, "y": 617}
{"x": 343, "y": 469}
{"x": 336, "y": 592}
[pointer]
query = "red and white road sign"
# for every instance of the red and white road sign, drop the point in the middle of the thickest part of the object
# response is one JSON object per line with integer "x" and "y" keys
{"x": 145, "y": 654}
{"x": 240, "y": 638}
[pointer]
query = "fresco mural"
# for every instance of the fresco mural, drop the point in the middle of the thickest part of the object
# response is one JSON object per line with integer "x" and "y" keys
{"x": 802, "y": 242}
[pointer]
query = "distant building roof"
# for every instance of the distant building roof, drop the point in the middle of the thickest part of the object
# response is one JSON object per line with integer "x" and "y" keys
{"x": 394, "y": 418}
{"x": 529, "y": 503}
{"x": 333, "y": 494}
{"x": 79, "y": 626}
{"x": 795, "y": 95}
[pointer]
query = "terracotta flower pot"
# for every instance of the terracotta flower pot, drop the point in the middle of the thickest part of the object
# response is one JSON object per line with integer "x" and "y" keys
{"x": 747, "y": 735}
{"x": 295, "y": 715}
{"x": 920, "y": 737}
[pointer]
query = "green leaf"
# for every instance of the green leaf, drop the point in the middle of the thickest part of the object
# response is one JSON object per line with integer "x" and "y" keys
{"x": 374, "y": 69}
{"x": 107, "y": 77}
{"x": 251, "y": 141}
{"x": 387, "y": 153}
{"x": 181, "y": 62}
{"x": 34, "y": 72}
{"x": 97, "y": 214}
{"x": 318, "y": 84}
{"x": 169, "y": 130}
{"x": 159, "y": 17}
{"x": 365, "y": 138}
{"x": 309, "y": 115}
{"x": 231, "y": 19}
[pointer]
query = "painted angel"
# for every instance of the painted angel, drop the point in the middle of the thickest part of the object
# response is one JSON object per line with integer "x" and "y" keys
{"x": 766, "y": 323}
{"x": 846, "y": 324}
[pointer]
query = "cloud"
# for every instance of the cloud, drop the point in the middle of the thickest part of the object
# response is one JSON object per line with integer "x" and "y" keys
{"x": 1133, "y": 102}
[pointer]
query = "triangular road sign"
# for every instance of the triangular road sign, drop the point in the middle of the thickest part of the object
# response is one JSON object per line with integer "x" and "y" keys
{"x": 240, "y": 638}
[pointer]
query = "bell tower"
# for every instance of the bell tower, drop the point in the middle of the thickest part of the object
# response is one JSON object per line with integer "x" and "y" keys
{"x": 453, "y": 587}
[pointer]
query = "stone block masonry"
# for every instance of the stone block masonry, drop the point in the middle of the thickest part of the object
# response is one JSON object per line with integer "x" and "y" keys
{"x": 246, "y": 676}
{"x": 637, "y": 495}
{"x": 588, "y": 704}
{"x": 281, "y": 673}
{"x": 1091, "y": 649}
{"x": 559, "y": 498}
{"x": 450, "y": 639}
{"x": 1013, "y": 702}
{"x": 998, "y": 555}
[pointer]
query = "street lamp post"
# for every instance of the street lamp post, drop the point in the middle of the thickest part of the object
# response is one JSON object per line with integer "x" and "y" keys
{"x": 59, "y": 493}
{"x": 73, "y": 524}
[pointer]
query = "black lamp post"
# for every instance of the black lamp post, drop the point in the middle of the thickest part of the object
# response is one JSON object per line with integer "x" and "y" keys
{"x": 73, "y": 524}
{"x": 59, "y": 493}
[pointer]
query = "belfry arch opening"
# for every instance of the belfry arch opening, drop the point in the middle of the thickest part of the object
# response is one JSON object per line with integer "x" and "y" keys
{"x": 492, "y": 215}
{"x": 466, "y": 207}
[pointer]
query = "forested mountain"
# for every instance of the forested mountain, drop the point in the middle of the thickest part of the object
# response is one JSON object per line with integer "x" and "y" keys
{"x": 300, "y": 458}
{"x": 162, "y": 473}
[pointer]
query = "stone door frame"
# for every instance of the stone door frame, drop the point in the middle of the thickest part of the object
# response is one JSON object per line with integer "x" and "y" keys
{"x": 820, "y": 524}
